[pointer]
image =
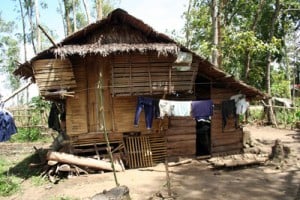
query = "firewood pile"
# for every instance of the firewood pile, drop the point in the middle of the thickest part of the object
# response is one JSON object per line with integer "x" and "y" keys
{"x": 58, "y": 165}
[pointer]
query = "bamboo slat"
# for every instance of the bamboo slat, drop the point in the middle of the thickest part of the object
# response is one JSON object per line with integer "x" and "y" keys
{"x": 159, "y": 148}
{"x": 139, "y": 151}
{"x": 149, "y": 75}
{"x": 53, "y": 74}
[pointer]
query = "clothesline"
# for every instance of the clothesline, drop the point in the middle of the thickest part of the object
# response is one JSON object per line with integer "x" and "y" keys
{"x": 138, "y": 85}
{"x": 198, "y": 109}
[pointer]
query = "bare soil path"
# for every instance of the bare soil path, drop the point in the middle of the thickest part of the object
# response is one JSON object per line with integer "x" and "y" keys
{"x": 196, "y": 180}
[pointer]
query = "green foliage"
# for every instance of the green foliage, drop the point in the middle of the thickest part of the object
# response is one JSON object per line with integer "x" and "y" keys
{"x": 8, "y": 186}
{"x": 27, "y": 135}
{"x": 12, "y": 172}
{"x": 38, "y": 180}
{"x": 244, "y": 36}
{"x": 255, "y": 115}
{"x": 280, "y": 86}
{"x": 285, "y": 117}
{"x": 39, "y": 104}
{"x": 9, "y": 52}
{"x": 38, "y": 117}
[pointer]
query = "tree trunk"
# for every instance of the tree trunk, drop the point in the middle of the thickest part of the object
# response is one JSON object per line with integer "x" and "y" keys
{"x": 30, "y": 15}
{"x": 214, "y": 9}
{"x": 99, "y": 9}
{"x": 37, "y": 21}
{"x": 187, "y": 27}
{"x": 269, "y": 109}
{"x": 67, "y": 17}
{"x": 23, "y": 30}
{"x": 253, "y": 28}
{"x": 87, "y": 11}
{"x": 74, "y": 16}
{"x": 60, "y": 10}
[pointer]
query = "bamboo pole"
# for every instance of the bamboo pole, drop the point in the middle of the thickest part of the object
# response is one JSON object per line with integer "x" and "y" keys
{"x": 168, "y": 178}
{"x": 100, "y": 86}
{"x": 48, "y": 36}
{"x": 16, "y": 92}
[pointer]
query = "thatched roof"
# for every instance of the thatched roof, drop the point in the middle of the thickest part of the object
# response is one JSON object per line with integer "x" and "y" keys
{"x": 107, "y": 49}
{"x": 103, "y": 38}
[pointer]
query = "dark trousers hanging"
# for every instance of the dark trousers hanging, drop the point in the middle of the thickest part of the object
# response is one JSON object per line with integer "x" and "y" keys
{"x": 150, "y": 109}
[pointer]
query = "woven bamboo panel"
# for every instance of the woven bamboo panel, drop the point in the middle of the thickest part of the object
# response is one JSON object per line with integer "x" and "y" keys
{"x": 149, "y": 74}
{"x": 53, "y": 74}
{"x": 139, "y": 151}
{"x": 92, "y": 138}
{"x": 76, "y": 107}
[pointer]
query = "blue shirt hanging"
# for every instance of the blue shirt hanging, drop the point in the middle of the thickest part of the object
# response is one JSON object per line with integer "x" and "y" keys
{"x": 7, "y": 125}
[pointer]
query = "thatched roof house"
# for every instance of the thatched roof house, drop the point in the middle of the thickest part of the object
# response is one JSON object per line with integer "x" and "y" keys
{"x": 130, "y": 59}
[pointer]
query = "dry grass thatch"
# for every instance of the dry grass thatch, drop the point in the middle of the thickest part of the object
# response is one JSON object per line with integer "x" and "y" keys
{"x": 107, "y": 49}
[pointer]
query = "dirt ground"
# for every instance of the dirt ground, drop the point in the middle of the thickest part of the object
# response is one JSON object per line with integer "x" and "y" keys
{"x": 195, "y": 180}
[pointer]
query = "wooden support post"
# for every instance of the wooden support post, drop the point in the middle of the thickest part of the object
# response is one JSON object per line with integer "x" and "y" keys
{"x": 168, "y": 178}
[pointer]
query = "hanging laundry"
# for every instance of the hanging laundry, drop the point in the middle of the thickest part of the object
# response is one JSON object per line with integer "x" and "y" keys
{"x": 228, "y": 109}
{"x": 53, "y": 119}
{"x": 237, "y": 97}
{"x": 202, "y": 109}
{"x": 241, "y": 106}
{"x": 181, "y": 108}
{"x": 240, "y": 103}
{"x": 174, "y": 108}
{"x": 165, "y": 108}
{"x": 7, "y": 125}
{"x": 151, "y": 110}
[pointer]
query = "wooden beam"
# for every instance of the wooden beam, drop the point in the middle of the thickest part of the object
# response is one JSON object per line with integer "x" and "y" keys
{"x": 48, "y": 36}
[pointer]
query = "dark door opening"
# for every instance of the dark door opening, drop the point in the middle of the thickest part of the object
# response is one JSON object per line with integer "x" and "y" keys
{"x": 203, "y": 138}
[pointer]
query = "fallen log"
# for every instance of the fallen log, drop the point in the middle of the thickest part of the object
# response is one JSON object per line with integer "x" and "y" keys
{"x": 238, "y": 160}
{"x": 173, "y": 164}
{"x": 81, "y": 161}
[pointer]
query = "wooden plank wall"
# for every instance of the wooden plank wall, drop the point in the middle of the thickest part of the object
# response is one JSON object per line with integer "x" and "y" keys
{"x": 229, "y": 140}
{"x": 83, "y": 111}
{"x": 181, "y": 136}
{"x": 76, "y": 107}
{"x": 124, "y": 113}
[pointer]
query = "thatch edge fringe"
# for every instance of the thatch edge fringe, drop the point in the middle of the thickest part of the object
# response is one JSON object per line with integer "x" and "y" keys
{"x": 107, "y": 49}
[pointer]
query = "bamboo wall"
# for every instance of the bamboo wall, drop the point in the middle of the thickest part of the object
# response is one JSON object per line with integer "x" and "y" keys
{"x": 53, "y": 74}
{"x": 84, "y": 109}
{"x": 228, "y": 140}
{"x": 149, "y": 74}
{"x": 76, "y": 107}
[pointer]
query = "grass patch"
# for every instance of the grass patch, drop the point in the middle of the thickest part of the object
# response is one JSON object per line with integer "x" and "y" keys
{"x": 13, "y": 172}
{"x": 8, "y": 184}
